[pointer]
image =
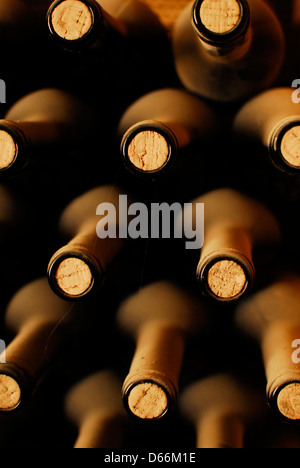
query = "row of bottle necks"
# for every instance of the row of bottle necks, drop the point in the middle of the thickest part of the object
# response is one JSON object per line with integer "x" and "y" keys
{"x": 236, "y": 226}
{"x": 47, "y": 315}
{"x": 73, "y": 358}
{"x": 225, "y": 56}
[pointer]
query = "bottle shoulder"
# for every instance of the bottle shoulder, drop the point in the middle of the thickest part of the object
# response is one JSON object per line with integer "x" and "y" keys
{"x": 221, "y": 77}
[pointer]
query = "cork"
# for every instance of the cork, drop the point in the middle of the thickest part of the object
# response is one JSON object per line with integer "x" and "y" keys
{"x": 73, "y": 276}
{"x": 288, "y": 401}
{"x": 148, "y": 401}
{"x": 226, "y": 279}
{"x": 220, "y": 16}
{"x": 290, "y": 146}
{"x": 10, "y": 393}
{"x": 71, "y": 20}
{"x": 8, "y": 150}
{"x": 148, "y": 151}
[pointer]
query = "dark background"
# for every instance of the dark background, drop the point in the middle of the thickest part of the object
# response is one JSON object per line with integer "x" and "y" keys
{"x": 30, "y": 63}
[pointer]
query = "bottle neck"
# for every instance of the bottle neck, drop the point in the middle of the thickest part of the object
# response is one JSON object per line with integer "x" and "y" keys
{"x": 150, "y": 147}
{"x": 16, "y": 137}
{"x": 151, "y": 387}
{"x": 284, "y": 146}
{"x": 225, "y": 270}
{"x": 224, "y": 32}
{"x": 83, "y": 25}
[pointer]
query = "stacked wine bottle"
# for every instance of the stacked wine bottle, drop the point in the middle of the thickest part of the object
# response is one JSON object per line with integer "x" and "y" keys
{"x": 113, "y": 337}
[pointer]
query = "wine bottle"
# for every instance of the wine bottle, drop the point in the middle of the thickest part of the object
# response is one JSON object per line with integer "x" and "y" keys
{"x": 77, "y": 269}
{"x": 95, "y": 406}
{"x": 106, "y": 37}
{"x": 92, "y": 23}
{"x": 159, "y": 317}
{"x": 157, "y": 127}
{"x": 228, "y": 51}
{"x": 271, "y": 317}
{"x": 271, "y": 122}
{"x": 219, "y": 408}
{"x": 43, "y": 119}
{"x": 32, "y": 316}
{"x": 236, "y": 227}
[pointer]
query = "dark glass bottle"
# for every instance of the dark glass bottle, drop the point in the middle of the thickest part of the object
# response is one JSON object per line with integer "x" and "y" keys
{"x": 228, "y": 51}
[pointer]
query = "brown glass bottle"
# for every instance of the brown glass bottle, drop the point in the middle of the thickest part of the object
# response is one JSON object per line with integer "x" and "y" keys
{"x": 157, "y": 128}
{"x": 270, "y": 123}
{"x": 160, "y": 317}
{"x": 76, "y": 270}
{"x": 115, "y": 45}
{"x": 228, "y": 51}
{"x": 43, "y": 119}
{"x": 235, "y": 228}
{"x": 32, "y": 316}
{"x": 271, "y": 317}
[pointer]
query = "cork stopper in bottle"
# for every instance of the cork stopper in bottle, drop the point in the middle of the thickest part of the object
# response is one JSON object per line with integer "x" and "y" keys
{"x": 148, "y": 151}
{"x": 8, "y": 150}
{"x": 290, "y": 146}
{"x": 10, "y": 393}
{"x": 71, "y": 20}
{"x": 288, "y": 401}
{"x": 226, "y": 279}
{"x": 220, "y": 16}
{"x": 147, "y": 401}
{"x": 73, "y": 276}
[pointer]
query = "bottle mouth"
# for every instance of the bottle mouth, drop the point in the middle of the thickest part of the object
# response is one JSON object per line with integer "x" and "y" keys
{"x": 221, "y": 24}
{"x": 285, "y": 400}
{"x": 15, "y": 388}
{"x": 147, "y": 400}
{"x": 10, "y": 393}
{"x": 72, "y": 276}
{"x": 12, "y": 148}
{"x": 149, "y": 149}
{"x": 224, "y": 278}
{"x": 284, "y": 147}
{"x": 73, "y": 22}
